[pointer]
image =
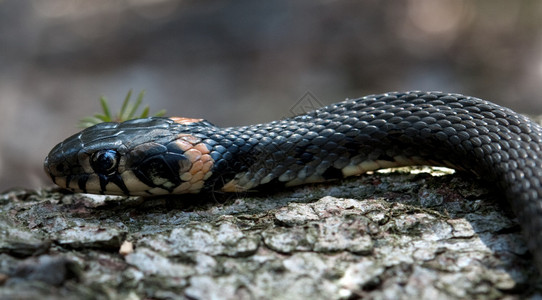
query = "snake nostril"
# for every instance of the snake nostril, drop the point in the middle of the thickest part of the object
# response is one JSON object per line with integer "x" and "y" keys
{"x": 60, "y": 168}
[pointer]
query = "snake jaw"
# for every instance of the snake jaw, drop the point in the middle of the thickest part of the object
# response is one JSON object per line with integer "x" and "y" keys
{"x": 62, "y": 162}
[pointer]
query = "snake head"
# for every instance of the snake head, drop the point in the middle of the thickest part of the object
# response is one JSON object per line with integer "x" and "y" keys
{"x": 138, "y": 157}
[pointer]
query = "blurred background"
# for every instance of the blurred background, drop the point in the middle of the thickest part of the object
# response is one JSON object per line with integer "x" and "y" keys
{"x": 242, "y": 62}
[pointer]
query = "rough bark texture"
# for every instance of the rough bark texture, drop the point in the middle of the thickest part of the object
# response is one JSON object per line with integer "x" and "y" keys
{"x": 380, "y": 236}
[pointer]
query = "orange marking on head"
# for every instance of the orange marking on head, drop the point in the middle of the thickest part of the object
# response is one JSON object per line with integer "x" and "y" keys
{"x": 201, "y": 163}
{"x": 195, "y": 187}
{"x": 196, "y": 167}
{"x": 183, "y": 145}
{"x": 183, "y": 188}
{"x": 197, "y": 177}
{"x": 189, "y": 138}
{"x": 206, "y": 165}
{"x": 202, "y": 148}
{"x": 193, "y": 155}
{"x": 183, "y": 120}
{"x": 206, "y": 157}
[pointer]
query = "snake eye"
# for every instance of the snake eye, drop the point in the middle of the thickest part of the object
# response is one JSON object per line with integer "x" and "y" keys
{"x": 104, "y": 161}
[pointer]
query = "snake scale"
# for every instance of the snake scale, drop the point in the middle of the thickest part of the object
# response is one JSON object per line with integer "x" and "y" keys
{"x": 154, "y": 156}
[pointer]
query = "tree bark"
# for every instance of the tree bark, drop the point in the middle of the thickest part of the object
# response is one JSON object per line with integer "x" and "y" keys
{"x": 380, "y": 236}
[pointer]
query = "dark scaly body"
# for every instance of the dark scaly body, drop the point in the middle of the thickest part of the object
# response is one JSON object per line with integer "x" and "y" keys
{"x": 176, "y": 155}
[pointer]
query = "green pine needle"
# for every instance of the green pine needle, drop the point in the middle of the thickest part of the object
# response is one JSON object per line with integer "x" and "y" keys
{"x": 128, "y": 111}
{"x": 105, "y": 108}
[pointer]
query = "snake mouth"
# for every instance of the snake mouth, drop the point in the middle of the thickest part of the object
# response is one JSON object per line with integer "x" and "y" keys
{"x": 62, "y": 167}
{"x": 74, "y": 177}
{"x": 48, "y": 167}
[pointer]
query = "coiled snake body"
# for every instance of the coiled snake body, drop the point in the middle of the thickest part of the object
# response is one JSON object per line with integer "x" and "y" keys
{"x": 178, "y": 155}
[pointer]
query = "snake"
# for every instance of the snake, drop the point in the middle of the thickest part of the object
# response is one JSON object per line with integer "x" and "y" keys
{"x": 178, "y": 155}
